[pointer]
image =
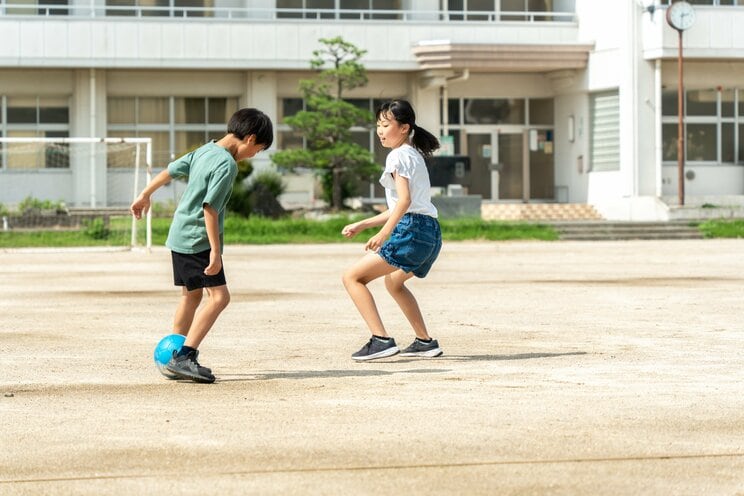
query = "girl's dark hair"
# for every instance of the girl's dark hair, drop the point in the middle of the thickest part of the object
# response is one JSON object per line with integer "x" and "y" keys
{"x": 402, "y": 111}
{"x": 247, "y": 121}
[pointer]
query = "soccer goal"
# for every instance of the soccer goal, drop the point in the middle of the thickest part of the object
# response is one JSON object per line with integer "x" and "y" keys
{"x": 90, "y": 182}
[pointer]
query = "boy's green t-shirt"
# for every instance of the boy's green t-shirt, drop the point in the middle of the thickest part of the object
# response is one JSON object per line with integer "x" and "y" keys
{"x": 210, "y": 171}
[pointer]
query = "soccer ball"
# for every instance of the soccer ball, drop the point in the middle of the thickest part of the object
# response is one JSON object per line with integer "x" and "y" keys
{"x": 164, "y": 351}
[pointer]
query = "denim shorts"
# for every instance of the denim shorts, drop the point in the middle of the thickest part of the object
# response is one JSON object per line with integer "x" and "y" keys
{"x": 414, "y": 244}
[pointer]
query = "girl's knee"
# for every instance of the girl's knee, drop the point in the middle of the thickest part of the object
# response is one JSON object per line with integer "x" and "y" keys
{"x": 348, "y": 278}
{"x": 393, "y": 286}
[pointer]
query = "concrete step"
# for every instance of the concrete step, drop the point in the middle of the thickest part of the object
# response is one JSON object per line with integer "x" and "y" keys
{"x": 594, "y": 231}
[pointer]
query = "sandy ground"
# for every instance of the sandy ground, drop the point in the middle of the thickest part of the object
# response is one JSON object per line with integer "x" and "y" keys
{"x": 570, "y": 368}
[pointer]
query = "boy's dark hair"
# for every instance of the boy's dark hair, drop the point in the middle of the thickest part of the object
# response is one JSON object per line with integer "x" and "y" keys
{"x": 402, "y": 111}
{"x": 247, "y": 121}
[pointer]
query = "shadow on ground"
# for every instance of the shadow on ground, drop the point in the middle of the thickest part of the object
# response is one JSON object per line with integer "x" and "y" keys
{"x": 321, "y": 374}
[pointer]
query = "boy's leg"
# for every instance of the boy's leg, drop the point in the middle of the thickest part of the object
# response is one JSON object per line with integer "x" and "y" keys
{"x": 185, "y": 363}
{"x": 395, "y": 284}
{"x": 186, "y": 309}
{"x": 356, "y": 278}
{"x": 219, "y": 298}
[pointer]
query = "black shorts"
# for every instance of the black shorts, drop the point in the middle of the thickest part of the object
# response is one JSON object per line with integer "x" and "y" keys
{"x": 188, "y": 270}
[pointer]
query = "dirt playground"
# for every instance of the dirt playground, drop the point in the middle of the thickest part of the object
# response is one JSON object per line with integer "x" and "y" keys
{"x": 569, "y": 368}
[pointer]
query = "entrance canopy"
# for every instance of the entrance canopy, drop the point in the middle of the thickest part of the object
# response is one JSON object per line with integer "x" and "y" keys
{"x": 476, "y": 57}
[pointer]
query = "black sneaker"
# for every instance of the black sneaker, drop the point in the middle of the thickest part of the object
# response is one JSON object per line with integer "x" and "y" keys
{"x": 376, "y": 348}
{"x": 187, "y": 367}
{"x": 422, "y": 349}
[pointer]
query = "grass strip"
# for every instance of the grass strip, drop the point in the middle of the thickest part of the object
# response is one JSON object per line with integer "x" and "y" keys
{"x": 259, "y": 230}
{"x": 722, "y": 228}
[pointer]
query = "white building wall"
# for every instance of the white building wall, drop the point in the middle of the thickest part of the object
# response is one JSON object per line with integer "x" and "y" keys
{"x": 150, "y": 43}
{"x": 617, "y": 63}
{"x": 572, "y": 158}
{"x": 261, "y": 61}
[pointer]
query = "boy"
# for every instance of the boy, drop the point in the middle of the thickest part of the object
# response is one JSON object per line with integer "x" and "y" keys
{"x": 196, "y": 233}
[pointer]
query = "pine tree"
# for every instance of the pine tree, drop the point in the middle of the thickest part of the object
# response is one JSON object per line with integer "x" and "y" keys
{"x": 327, "y": 120}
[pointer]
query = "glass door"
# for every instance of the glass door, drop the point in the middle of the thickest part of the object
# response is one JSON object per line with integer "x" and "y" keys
{"x": 511, "y": 165}
{"x": 480, "y": 152}
{"x": 541, "y": 167}
{"x": 511, "y": 162}
{"x": 496, "y": 164}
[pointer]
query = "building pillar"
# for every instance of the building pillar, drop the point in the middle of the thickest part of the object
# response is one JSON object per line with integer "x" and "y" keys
{"x": 261, "y": 93}
{"x": 88, "y": 119}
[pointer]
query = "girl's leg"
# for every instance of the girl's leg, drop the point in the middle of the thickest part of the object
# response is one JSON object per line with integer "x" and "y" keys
{"x": 395, "y": 284}
{"x": 219, "y": 298}
{"x": 356, "y": 278}
{"x": 186, "y": 309}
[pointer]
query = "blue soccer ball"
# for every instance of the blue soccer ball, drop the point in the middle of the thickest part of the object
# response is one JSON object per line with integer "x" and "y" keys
{"x": 164, "y": 351}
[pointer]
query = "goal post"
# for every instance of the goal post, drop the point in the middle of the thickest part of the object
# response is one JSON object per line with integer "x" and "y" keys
{"x": 93, "y": 177}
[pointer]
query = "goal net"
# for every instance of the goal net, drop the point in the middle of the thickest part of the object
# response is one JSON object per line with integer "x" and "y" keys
{"x": 76, "y": 183}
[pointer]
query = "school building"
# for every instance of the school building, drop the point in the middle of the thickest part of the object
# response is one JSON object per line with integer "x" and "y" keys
{"x": 560, "y": 102}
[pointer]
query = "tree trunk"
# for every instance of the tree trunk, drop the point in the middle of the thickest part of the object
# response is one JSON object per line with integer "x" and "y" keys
{"x": 336, "y": 188}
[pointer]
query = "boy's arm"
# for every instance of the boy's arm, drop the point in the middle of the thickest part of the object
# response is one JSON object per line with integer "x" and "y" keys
{"x": 212, "y": 223}
{"x": 141, "y": 205}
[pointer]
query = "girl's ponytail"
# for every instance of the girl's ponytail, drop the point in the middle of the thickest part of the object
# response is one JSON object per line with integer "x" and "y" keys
{"x": 424, "y": 141}
{"x": 402, "y": 111}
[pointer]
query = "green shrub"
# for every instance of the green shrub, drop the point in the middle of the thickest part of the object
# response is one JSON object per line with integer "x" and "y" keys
{"x": 269, "y": 180}
{"x": 96, "y": 229}
{"x": 34, "y": 205}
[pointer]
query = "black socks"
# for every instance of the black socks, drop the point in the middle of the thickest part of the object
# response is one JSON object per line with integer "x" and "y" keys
{"x": 185, "y": 350}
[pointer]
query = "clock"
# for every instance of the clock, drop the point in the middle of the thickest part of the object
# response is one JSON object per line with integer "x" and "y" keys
{"x": 680, "y": 15}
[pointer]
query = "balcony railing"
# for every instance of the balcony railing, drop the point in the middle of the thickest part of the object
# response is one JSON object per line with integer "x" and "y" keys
{"x": 278, "y": 14}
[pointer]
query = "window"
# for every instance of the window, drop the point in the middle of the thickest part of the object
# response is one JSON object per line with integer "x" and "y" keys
{"x": 701, "y": 142}
{"x": 498, "y": 111}
{"x": 702, "y": 102}
{"x": 510, "y": 7}
{"x": 541, "y": 111}
{"x": 604, "y": 139}
{"x": 307, "y": 9}
{"x": 160, "y": 8}
{"x": 494, "y": 111}
{"x": 286, "y": 138}
{"x": 669, "y": 139}
{"x": 471, "y": 10}
{"x": 176, "y": 125}
{"x": 39, "y": 7}
{"x": 344, "y": 9}
{"x": 453, "y": 111}
{"x": 709, "y": 2}
{"x": 713, "y": 121}
{"x": 370, "y": 9}
{"x": 35, "y": 117}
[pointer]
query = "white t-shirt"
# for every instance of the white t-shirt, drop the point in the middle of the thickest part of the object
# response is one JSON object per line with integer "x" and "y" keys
{"x": 408, "y": 162}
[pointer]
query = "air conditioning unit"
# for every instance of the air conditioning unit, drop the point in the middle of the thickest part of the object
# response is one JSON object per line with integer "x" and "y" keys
{"x": 455, "y": 190}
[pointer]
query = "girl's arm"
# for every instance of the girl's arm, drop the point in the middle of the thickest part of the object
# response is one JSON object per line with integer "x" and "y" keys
{"x": 394, "y": 216}
{"x": 352, "y": 230}
{"x": 212, "y": 223}
{"x": 141, "y": 205}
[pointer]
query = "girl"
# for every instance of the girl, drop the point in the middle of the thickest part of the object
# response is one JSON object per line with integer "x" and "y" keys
{"x": 410, "y": 223}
